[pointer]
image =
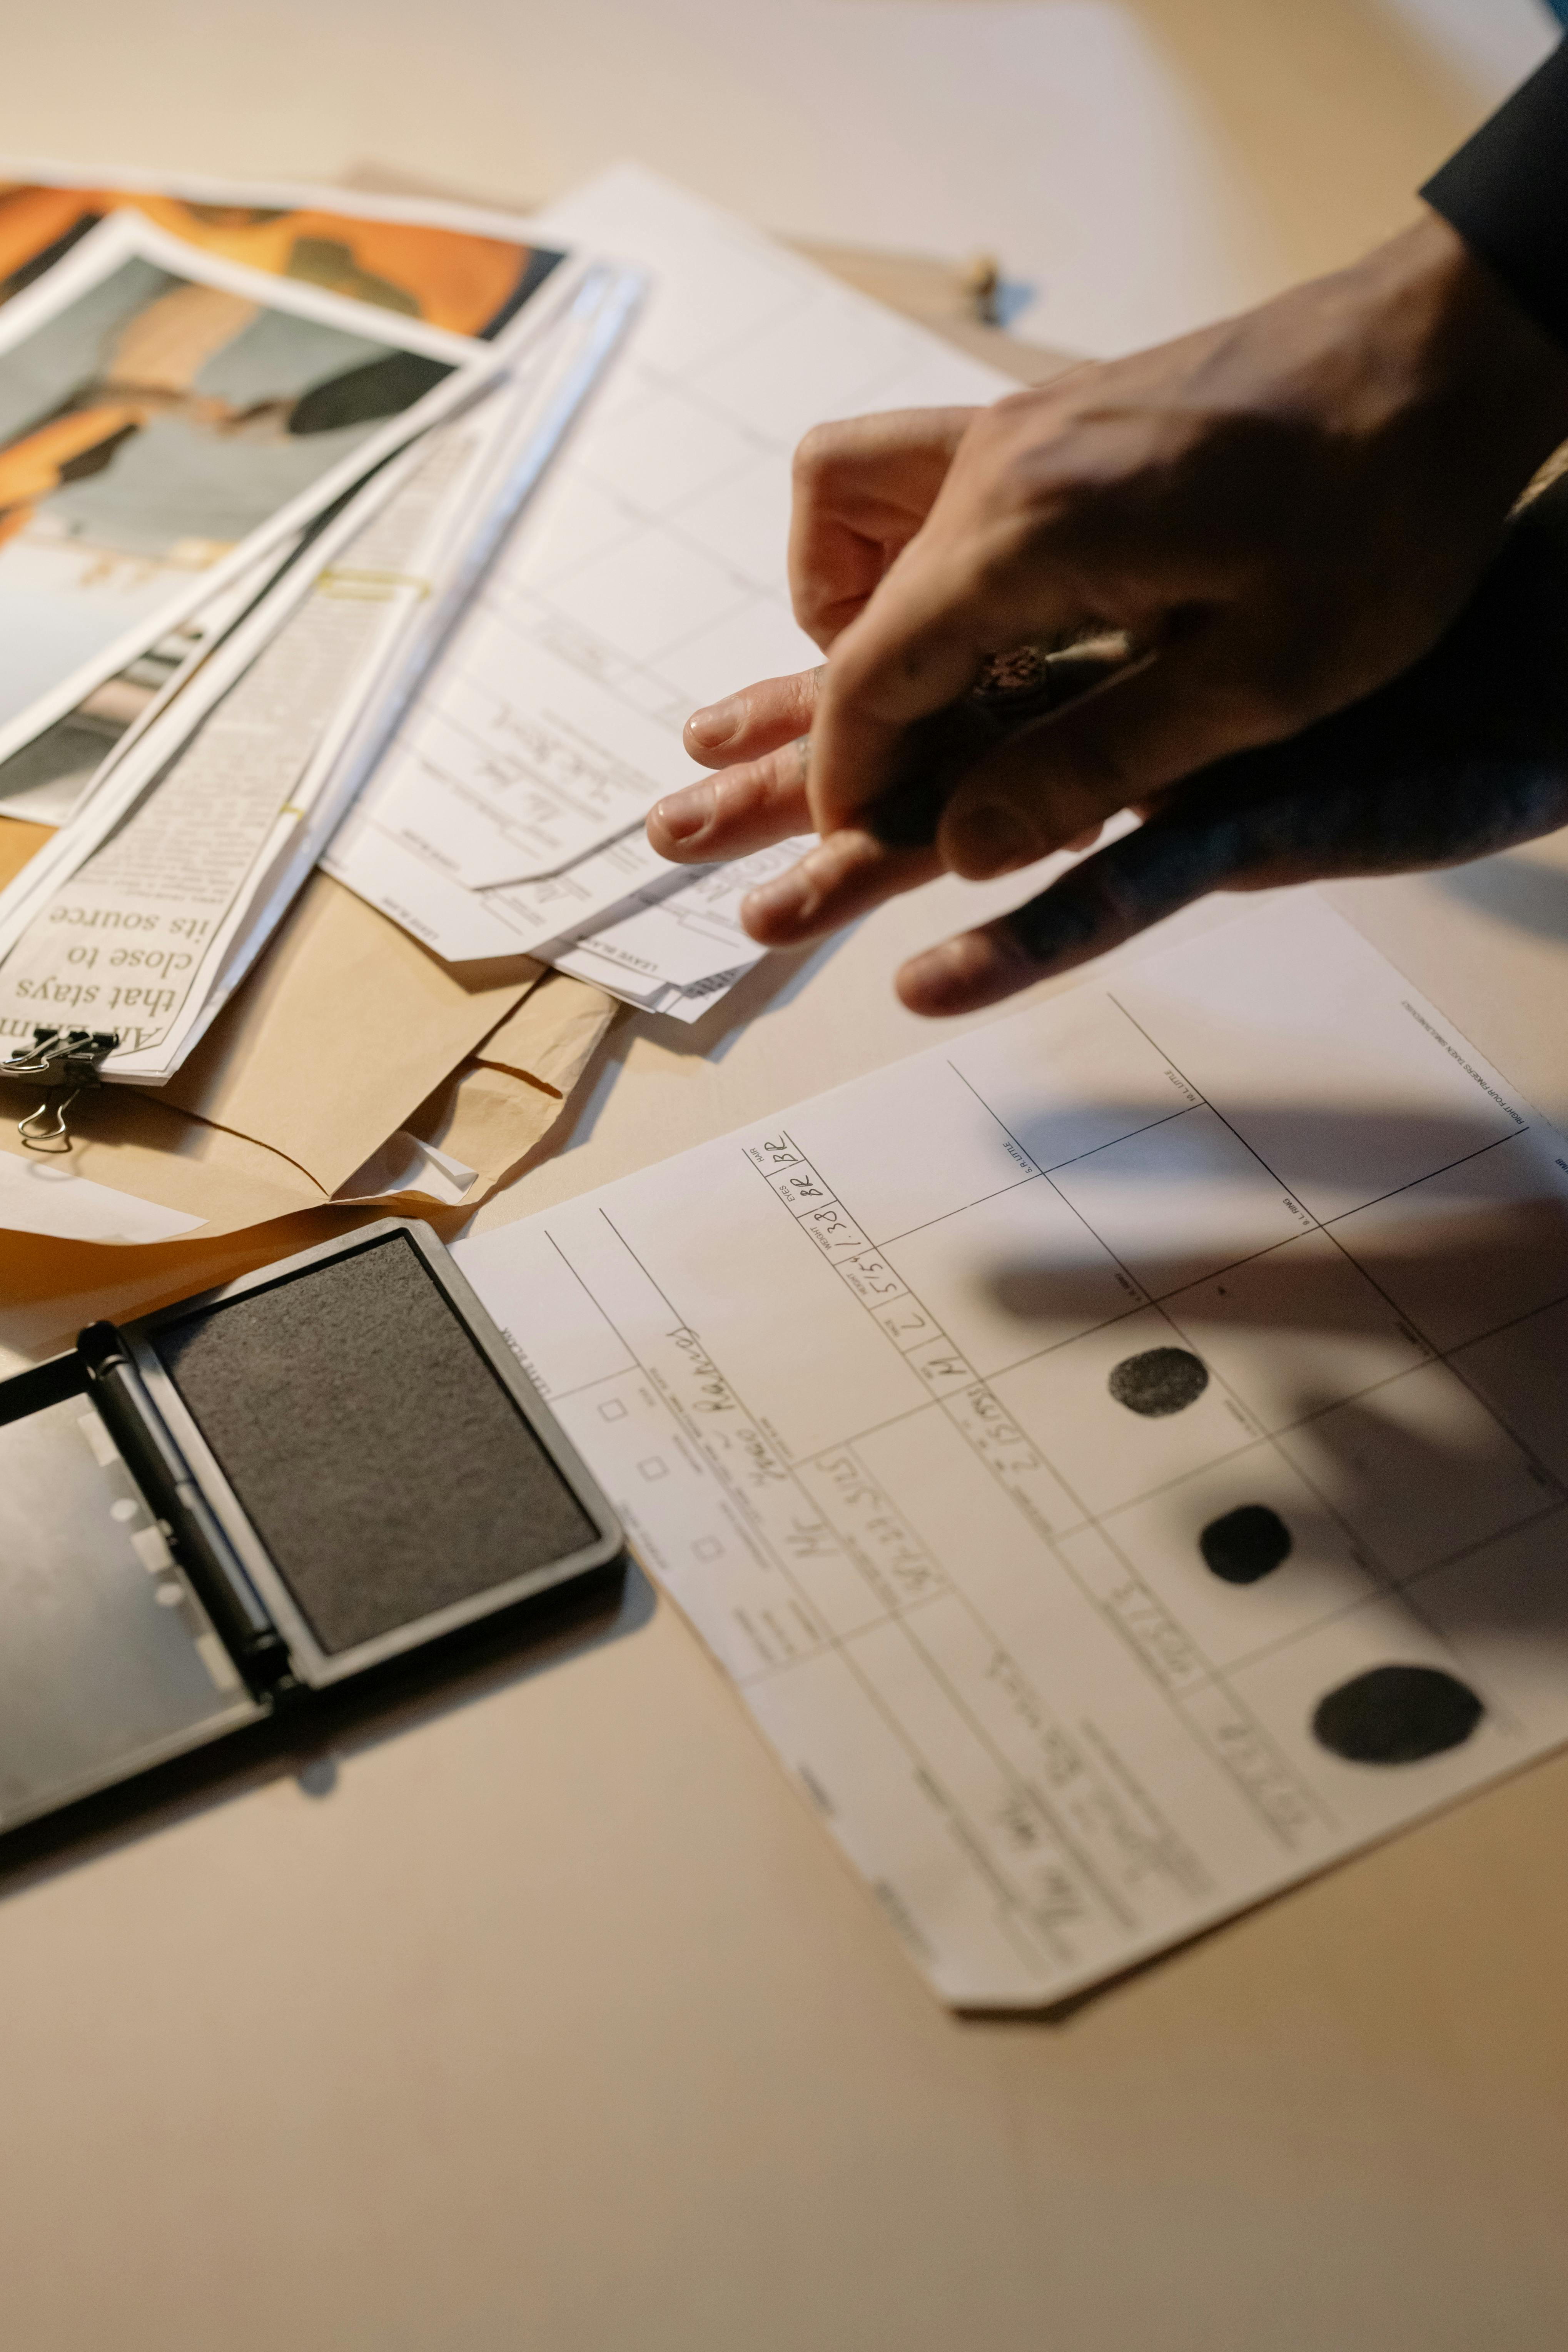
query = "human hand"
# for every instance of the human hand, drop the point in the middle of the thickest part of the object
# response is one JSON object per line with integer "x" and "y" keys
{"x": 1274, "y": 516}
{"x": 1465, "y": 753}
{"x": 1280, "y": 513}
{"x": 862, "y": 490}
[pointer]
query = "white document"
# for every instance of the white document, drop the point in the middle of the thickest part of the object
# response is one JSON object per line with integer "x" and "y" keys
{"x": 39, "y": 1196}
{"x": 676, "y": 950}
{"x": 650, "y": 578}
{"x": 1119, "y": 1455}
{"x": 151, "y": 444}
{"x": 145, "y": 912}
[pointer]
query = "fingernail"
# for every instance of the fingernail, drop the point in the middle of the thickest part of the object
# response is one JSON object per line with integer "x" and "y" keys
{"x": 684, "y": 815}
{"x": 787, "y": 901}
{"x": 988, "y": 838}
{"x": 716, "y": 724}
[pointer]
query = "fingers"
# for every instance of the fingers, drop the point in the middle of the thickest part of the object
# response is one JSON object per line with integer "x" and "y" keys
{"x": 756, "y": 720}
{"x": 938, "y": 752}
{"x": 1118, "y": 748}
{"x": 1176, "y": 857}
{"x": 745, "y": 808}
{"x": 1372, "y": 790}
{"x": 834, "y": 883}
{"x": 919, "y": 644}
{"x": 862, "y": 489}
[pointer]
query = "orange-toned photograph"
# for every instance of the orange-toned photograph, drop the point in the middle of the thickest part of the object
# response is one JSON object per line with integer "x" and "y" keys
{"x": 152, "y": 425}
{"x": 471, "y": 285}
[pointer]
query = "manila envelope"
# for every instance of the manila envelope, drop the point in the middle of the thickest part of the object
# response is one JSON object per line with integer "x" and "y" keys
{"x": 347, "y": 1039}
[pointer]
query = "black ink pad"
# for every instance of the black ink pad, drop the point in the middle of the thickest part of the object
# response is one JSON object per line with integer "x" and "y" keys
{"x": 1245, "y": 1545}
{"x": 1159, "y": 1380}
{"x": 369, "y": 1442}
{"x": 1396, "y": 1714}
{"x": 216, "y": 1511}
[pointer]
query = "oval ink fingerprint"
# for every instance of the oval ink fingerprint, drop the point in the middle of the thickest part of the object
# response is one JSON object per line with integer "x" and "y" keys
{"x": 1159, "y": 1380}
{"x": 1246, "y": 1544}
{"x": 1396, "y": 1714}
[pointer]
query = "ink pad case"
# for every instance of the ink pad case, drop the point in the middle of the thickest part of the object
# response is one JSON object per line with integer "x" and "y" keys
{"x": 214, "y": 1512}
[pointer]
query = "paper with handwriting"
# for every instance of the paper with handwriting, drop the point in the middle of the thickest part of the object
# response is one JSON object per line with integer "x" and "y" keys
{"x": 1118, "y": 1455}
{"x": 651, "y": 577}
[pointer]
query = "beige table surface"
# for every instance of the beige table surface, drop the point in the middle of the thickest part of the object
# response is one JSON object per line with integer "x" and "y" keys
{"x": 550, "y": 2021}
{"x": 556, "y": 2022}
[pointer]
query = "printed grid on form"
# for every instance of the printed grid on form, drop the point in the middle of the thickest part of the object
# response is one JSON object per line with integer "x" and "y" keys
{"x": 851, "y": 1379}
{"x": 650, "y": 578}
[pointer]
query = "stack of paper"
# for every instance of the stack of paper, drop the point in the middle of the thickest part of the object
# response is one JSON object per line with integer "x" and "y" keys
{"x": 648, "y": 578}
{"x": 254, "y": 457}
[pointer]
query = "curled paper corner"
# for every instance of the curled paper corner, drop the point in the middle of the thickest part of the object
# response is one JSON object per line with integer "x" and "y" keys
{"x": 404, "y": 1164}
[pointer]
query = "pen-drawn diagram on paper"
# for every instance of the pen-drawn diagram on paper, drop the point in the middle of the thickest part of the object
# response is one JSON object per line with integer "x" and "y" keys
{"x": 650, "y": 578}
{"x": 1118, "y": 1457}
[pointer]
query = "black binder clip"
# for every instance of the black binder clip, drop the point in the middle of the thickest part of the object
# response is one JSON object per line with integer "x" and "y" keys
{"x": 60, "y": 1059}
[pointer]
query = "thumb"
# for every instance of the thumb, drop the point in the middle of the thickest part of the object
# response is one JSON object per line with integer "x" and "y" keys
{"x": 919, "y": 646}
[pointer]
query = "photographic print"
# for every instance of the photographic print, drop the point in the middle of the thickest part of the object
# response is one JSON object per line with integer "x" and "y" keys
{"x": 164, "y": 416}
{"x": 468, "y": 283}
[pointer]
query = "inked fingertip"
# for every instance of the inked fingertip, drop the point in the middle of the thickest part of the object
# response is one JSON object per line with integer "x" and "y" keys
{"x": 1061, "y": 922}
{"x": 953, "y": 978}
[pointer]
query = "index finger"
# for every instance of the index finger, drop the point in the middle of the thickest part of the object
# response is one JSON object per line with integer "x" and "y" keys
{"x": 755, "y": 720}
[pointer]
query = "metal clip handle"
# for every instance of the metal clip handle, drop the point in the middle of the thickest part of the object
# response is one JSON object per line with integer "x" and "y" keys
{"x": 44, "y": 1130}
{"x": 60, "y": 1057}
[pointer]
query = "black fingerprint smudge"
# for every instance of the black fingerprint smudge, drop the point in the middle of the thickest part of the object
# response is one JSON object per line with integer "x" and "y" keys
{"x": 1246, "y": 1544}
{"x": 1396, "y": 1714}
{"x": 1159, "y": 1380}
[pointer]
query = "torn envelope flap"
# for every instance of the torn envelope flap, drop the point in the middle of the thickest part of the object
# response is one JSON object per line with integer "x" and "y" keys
{"x": 489, "y": 1120}
{"x": 278, "y": 1111}
{"x": 131, "y": 1144}
{"x": 406, "y": 1165}
{"x": 343, "y": 1030}
{"x": 491, "y": 1115}
{"x": 326, "y": 1093}
{"x": 140, "y": 1173}
{"x": 549, "y": 1038}
{"x": 478, "y": 1125}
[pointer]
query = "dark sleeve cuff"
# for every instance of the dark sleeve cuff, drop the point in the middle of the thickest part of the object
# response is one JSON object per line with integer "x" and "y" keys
{"x": 1506, "y": 193}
